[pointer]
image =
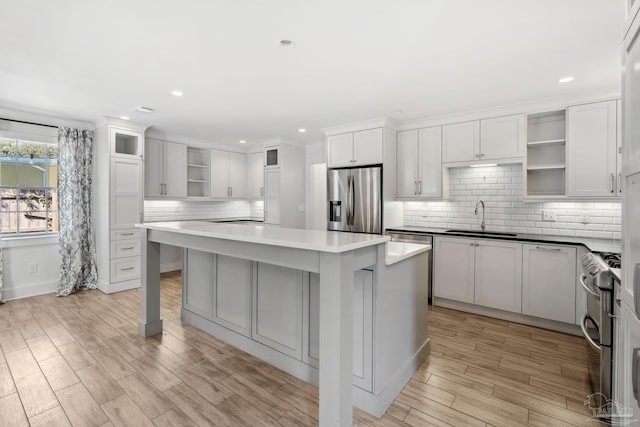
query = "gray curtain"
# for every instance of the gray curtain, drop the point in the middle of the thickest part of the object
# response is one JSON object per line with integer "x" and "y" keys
{"x": 77, "y": 248}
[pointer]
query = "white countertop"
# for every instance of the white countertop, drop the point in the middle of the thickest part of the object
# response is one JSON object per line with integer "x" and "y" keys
{"x": 398, "y": 251}
{"x": 314, "y": 240}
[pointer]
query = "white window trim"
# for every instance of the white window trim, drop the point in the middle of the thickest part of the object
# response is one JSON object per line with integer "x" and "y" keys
{"x": 24, "y": 241}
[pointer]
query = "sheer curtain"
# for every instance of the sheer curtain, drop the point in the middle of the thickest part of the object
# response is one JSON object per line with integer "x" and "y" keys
{"x": 76, "y": 237}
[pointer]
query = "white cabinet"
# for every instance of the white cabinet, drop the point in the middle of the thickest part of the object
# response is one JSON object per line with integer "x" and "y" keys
{"x": 461, "y": 142}
{"x": 165, "y": 169}
{"x": 362, "y": 327}
{"x": 627, "y": 341}
{"x": 454, "y": 269}
{"x": 355, "y": 148}
{"x": 497, "y": 138}
{"x": 482, "y": 272}
{"x": 228, "y": 174}
{"x": 272, "y": 195}
{"x": 419, "y": 163}
{"x": 549, "y": 282}
{"x": 592, "y": 150}
{"x": 255, "y": 175}
{"x": 277, "y": 309}
{"x": 498, "y": 275}
{"x": 118, "y": 203}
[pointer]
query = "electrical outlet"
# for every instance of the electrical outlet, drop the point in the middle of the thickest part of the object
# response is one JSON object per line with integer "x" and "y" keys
{"x": 32, "y": 267}
{"x": 549, "y": 216}
{"x": 585, "y": 218}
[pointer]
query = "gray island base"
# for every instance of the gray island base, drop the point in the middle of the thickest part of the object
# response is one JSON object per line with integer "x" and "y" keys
{"x": 344, "y": 311}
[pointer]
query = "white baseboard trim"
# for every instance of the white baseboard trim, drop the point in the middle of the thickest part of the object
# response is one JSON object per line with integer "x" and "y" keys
{"x": 109, "y": 288}
{"x": 171, "y": 266}
{"x": 553, "y": 325}
{"x": 9, "y": 293}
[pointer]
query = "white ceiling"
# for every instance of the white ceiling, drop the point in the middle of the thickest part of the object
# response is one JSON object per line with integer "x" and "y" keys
{"x": 353, "y": 60}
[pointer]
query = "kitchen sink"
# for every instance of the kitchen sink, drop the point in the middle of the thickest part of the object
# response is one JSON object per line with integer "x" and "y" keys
{"x": 481, "y": 233}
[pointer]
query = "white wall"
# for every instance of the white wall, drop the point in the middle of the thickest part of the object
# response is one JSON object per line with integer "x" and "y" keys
{"x": 500, "y": 187}
{"x": 315, "y": 205}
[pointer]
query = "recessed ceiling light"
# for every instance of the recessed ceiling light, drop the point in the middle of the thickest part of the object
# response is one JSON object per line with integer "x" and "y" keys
{"x": 177, "y": 93}
{"x": 242, "y": 141}
{"x": 286, "y": 43}
{"x": 141, "y": 109}
{"x": 565, "y": 79}
{"x": 302, "y": 130}
{"x": 124, "y": 117}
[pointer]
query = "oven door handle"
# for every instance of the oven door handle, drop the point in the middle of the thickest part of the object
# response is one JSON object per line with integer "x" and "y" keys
{"x": 586, "y": 287}
{"x": 583, "y": 326}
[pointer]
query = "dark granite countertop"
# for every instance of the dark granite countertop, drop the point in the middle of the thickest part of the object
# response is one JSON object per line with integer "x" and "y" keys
{"x": 600, "y": 245}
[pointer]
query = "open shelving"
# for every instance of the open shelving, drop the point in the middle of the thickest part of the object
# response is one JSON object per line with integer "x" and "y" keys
{"x": 546, "y": 154}
{"x": 198, "y": 172}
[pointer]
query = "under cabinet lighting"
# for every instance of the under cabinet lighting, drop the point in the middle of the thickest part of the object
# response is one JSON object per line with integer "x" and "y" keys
{"x": 483, "y": 166}
{"x": 565, "y": 79}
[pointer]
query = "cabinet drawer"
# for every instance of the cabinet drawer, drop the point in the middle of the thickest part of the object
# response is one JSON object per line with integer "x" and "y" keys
{"x": 131, "y": 233}
{"x": 125, "y": 269}
{"x": 125, "y": 248}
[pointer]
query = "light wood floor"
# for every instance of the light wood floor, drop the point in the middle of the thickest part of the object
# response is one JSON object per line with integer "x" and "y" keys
{"x": 78, "y": 361}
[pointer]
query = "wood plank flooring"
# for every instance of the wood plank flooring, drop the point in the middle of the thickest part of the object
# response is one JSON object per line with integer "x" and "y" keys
{"x": 79, "y": 361}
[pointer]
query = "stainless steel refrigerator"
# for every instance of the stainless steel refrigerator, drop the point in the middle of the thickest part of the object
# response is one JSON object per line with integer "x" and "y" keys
{"x": 355, "y": 199}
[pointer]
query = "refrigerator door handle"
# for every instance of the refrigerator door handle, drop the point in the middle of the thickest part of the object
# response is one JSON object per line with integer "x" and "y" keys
{"x": 352, "y": 200}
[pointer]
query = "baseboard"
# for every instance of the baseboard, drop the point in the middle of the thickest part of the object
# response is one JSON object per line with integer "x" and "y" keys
{"x": 553, "y": 325}
{"x": 171, "y": 266}
{"x": 109, "y": 288}
{"x": 29, "y": 291}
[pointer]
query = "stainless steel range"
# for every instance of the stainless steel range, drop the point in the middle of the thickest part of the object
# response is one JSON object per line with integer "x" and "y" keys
{"x": 597, "y": 323}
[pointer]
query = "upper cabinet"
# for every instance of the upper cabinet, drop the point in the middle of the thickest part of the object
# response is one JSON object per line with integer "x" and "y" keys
{"x": 255, "y": 175}
{"x": 419, "y": 163}
{"x": 355, "y": 148}
{"x": 592, "y": 150}
{"x": 126, "y": 143}
{"x": 545, "y": 162}
{"x": 165, "y": 169}
{"x": 490, "y": 139}
{"x": 228, "y": 174}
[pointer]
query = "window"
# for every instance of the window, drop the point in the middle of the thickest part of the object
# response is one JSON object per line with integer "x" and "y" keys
{"x": 28, "y": 187}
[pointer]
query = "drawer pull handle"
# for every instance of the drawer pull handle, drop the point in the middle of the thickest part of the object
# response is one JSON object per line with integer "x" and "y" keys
{"x": 126, "y": 234}
{"x": 542, "y": 248}
{"x": 127, "y": 249}
{"x": 126, "y": 269}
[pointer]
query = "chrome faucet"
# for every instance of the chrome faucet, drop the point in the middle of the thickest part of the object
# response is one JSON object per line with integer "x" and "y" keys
{"x": 480, "y": 202}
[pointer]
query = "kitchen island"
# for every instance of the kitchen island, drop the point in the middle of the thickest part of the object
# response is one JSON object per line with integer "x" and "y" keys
{"x": 294, "y": 297}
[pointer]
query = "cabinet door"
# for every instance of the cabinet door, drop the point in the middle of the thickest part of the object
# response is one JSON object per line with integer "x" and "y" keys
{"x": 277, "y": 317}
{"x": 499, "y": 275}
{"x": 502, "y": 137}
{"x": 461, "y": 142}
{"x": 219, "y": 173}
{"x": 233, "y": 293}
{"x": 340, "y": 150}
{"x": 407, "y": 164}
{"x": 272, "y": 195}
{"x": 175, "y": 170}
{"x": 362, "y": 327}
{"x": 430, "y": 162}
{"x": 197, "y": 279}
{"x": 126, "y": 192}
{"x": 453, "y": 271}
{"x": 629, "y": 334}
{"x": 126, "y": 143}
{"x": 238, "y": 175}
{"x": 255, "y": 175}
{"x": 367, "y": 147}
{"x": 549, "y": 282}
{"x": 591, "y": 144}
{"x": 153, "y": 168}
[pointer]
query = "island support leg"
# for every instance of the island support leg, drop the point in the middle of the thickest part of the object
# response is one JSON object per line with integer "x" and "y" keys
{"x": 150, "y": 322}
{"x": 336, "y": 340}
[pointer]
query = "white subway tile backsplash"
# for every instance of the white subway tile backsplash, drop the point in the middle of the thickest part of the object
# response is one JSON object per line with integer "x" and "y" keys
{"x": 501, "y": 189}
{"x": 174, "y": 210}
